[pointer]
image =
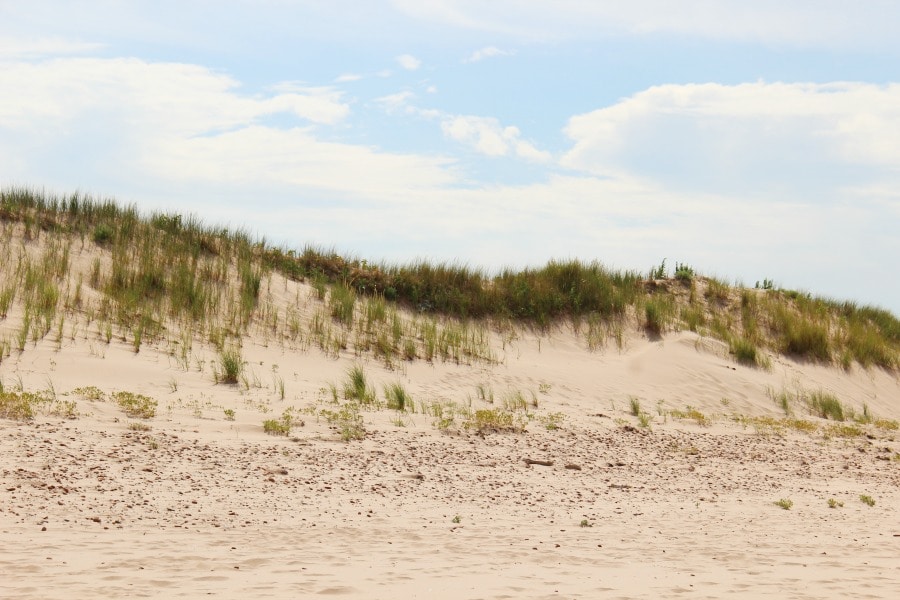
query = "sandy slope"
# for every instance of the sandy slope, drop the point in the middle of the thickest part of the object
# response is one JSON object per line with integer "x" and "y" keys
{"x": 201, "y": 505}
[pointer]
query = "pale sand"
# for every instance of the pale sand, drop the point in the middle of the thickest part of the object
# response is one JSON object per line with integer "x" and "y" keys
{"x": 199, "y": 505}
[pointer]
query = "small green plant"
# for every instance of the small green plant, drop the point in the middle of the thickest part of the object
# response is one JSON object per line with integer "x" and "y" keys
{"x": 644, "y": 420}
{"x": 683, "y": 272}
{"x": 585, "y": 523}
{"x": 495, "y": 420}
{"x": 347, "y": 420}
{"x": 658, "y": 272}
{"x": 867, "y": 500}
{"x": 357, "y": 386}
{"x": 136, "y": 405}
{"x": 19, "y": 406}
{"x": 92, "y": 393}
{"x": 138, "y": 426}
{"x": 457, "y": 519}
{"x": 103, "y": 234}
{"x": 552, "y": 421}
{"x": 635, "y": 405}
{"x": 745, "y": 351}
{"x": 229, "y": 414}
{"x": 887, "y": 424}
{"x": 693, "y": 414}
{"x": 281, "y": 426}
{"x": 398, "y": 398}
{"x": 656, "y": 312}
{"x": 842, "y": 430}
{"x": 232, "y": 365}
{"x": 833, "y": 503}
{"x": 783, "y": 399}
{"x": 826, "y": 405}
{"x": 784, "y": 503}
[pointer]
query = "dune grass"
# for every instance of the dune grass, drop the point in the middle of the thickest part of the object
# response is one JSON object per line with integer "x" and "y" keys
{"x": 158, "y": 275}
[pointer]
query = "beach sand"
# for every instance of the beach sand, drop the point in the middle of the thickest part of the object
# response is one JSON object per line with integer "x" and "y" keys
{"x": 190, "y": 503}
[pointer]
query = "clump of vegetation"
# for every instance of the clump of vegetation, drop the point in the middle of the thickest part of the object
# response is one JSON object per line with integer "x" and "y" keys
{"x": 745, "y": 351}
{"x": 495, "y": 420}
{"x": 683, "y": 272}
{"x": 867, "y": 500}
{"x": 658, "y": 311}
{"x": 347, "y": 420}
{"x": 693, "y": 414}
{"x": 137, "y": 406}
{"x": 552, "y": 421}
{"x": 19, "y": 406}
{"x": 635, "y": 405}
{"x": 280, "y": 426}
{"x": 357, "y": 387}
{"x": 231, "y": 365}
{"x": 833, "y": 503}
{"x": 826, "y": 405}
{"x": 784, "y": 503}
{"x": 398, "y": 398}
{"x": 165, "y": 273}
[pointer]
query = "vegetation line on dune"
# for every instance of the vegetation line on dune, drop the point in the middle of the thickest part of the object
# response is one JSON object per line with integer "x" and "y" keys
{"x": 161, "y": 270}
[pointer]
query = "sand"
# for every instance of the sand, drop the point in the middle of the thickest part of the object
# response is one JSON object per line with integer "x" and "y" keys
{"x": 195, "y": 504}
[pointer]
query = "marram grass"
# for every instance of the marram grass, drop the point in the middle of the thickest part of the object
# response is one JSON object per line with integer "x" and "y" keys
{"x": 159, "y": 271}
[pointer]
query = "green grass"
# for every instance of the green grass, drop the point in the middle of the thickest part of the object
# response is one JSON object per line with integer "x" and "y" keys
{"x": 160, "y": 274}
{"x": 231, "y": 365}
{"x": 826, "y": 405}
{"x": 347, "y": 420}
{"x": 867, "y": 500}
{"x": 784, "y": 503}
{"x": 745, "y": 351}
{"x": 136, "y": 406}
{"x": 635, "y": 403}
{"x": 356, "y": 386}
{"x": 495, "y": 420}
{"x": 280, "y": 426}
{"x": 398, "y": 398}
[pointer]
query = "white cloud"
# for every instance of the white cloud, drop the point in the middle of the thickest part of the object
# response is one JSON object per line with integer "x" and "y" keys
{"x": 20, "y": 48}
{"x": 396, "y": 102}
{"x": 409, "y": 62}
{"x": 182, "y": 123}
{"x": 488, "y": 137}
{"x": 788, "y": 139}
{"x": 487, "y": 52}
{"x": 347, "y": 77}
{"x": 823, "y": 23}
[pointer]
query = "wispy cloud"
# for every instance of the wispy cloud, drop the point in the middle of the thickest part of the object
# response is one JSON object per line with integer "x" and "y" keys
{"x": 24, "y": 48}
{"x": 396, "y": 102}
{"x": 794, "y": 22}
{"x": 409, "y": 62}
{"x": 487, "y": 52}
{"x": 487, "y": 136}
{"x": 347, "y": 77}
{"x": 787, "y": 139}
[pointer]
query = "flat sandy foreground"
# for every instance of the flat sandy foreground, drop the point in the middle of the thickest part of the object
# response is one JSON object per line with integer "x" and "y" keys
{"x": 196, "y": 504}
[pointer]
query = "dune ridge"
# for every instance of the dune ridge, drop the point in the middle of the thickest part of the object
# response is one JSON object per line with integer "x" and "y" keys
{"x": 488, "y": 458}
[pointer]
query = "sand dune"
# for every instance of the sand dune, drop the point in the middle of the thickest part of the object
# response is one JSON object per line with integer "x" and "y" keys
{"x": 590, "y": 501}
{"x": 197, "y": 504}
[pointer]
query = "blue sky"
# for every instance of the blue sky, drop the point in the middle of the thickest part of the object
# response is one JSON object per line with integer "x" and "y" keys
{"x": 751, "y": 140}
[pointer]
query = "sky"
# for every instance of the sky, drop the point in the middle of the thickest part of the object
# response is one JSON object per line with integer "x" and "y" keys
{"x": 750, "y": 140}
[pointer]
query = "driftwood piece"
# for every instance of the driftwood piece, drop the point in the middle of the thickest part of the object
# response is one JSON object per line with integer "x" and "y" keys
{"x": 543, "y": 463}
